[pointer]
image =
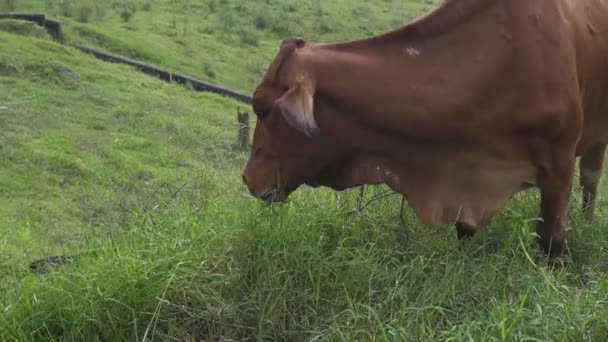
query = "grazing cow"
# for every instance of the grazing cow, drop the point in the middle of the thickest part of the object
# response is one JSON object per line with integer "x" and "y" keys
{"x": 457, "y": 111}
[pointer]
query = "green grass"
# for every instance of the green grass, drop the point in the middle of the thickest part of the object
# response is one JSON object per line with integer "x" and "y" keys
{"x": 223, "y": 41}
{"x": 22, "y": 28}
{"x": 141, "y": 179}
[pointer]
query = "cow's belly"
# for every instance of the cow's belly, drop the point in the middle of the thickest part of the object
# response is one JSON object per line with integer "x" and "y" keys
{"x": 444, "y": 186}
{"x": 467, "y": 188}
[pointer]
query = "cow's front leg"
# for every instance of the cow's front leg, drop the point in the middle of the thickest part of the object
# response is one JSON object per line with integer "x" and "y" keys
{"x": 464, "y": 231}
{"x": 555, "y": 182}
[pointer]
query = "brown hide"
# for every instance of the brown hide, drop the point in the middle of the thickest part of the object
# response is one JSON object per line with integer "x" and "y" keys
{"x": 458, "y": 110}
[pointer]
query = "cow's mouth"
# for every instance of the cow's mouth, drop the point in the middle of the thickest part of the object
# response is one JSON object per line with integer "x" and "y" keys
{"x": 313, "y": 183}
{"x": 273, "y": 196}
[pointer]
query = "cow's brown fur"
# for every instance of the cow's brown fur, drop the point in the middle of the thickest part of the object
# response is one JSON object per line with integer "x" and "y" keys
{"x": 458, "y": 111}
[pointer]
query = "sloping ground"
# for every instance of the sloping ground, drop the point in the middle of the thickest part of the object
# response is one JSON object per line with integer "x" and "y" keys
{"x": 82, "y": 139}
{"x": 228, "y": 42}
{"x": 139, "y": 178}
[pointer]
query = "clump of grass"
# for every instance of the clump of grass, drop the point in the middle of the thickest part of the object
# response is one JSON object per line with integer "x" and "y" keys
{"x": 10, "y": 5}
{"x": 228, "y": 22}
{"x": 260, "y": 22}
{"x": 100, "y": 11}
{"x": 106, "y": 41}
{"x": 85, "y": 12}
{"x": 211, "y": 5}
{"x": 126, "y": 12}
{"x": 23, "y": 28}
{"x": 208, "y": 70}
{"x": 65, "y": 8}
{"x": 249, "y": 37}
{"x": 147, "y": 6}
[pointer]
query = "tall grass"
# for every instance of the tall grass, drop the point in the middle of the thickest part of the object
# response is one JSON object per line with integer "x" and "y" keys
{"x": 9, "y": 5}
{"x": 140, "y": 179}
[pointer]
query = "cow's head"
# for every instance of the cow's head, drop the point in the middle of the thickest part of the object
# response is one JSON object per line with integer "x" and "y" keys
{"x": 289, "y": 148}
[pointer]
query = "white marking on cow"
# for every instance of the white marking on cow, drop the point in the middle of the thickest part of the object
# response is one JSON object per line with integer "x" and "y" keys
{"x": 412, "y": 51}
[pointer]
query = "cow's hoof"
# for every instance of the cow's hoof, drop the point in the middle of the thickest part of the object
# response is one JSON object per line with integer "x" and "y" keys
{"x": 553, "y": 248}
{"x": 464, "y": 231}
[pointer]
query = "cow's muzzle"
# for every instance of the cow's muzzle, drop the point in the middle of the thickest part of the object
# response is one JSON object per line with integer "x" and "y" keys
{"x": 273, "y": 196}
{"x": 269, "y": 195}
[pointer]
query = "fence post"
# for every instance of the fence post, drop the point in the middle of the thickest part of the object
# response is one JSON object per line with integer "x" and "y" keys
{"x": 54, "y": 28}
{"x": 243, "y": 132}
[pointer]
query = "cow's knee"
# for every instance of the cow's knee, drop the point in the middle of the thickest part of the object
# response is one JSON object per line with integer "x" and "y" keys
{"x": 464, "y": 231}
{"x": 591, "y": 165}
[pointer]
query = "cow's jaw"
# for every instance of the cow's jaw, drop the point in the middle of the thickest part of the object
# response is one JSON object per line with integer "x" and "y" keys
{"x": 359, "y": 170}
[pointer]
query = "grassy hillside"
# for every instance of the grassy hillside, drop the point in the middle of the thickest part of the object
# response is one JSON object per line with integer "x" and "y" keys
{"x": 223, "y": 41}
{"x": 141, "y": 180}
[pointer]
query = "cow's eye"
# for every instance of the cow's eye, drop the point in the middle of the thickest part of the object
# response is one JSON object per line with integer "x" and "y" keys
{"x": 261, "y": 111}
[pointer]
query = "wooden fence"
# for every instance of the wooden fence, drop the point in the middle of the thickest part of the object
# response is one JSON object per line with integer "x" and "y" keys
{"x": 53, "y": 27}
{"x": 166, "y": 75}
{"x": 55, "y": 30}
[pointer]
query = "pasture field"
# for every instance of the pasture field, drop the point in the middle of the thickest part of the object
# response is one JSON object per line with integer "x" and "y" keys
{"x": 224, "y": 41}
{"x": 141, "y": 179}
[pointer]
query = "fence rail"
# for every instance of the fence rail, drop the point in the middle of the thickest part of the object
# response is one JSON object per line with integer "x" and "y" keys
{"x": 54, "y": 28}
{"x": 166, "y": 75}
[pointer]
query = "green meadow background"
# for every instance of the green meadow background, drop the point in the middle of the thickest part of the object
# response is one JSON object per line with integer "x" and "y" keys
{"x": 141, "y": 179}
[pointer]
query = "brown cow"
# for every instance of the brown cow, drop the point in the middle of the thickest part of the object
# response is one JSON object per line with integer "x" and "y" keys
{"x": 457, "y": 111}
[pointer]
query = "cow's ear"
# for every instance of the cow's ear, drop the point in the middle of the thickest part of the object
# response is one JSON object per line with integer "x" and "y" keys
{"x": 296, "y": 106}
